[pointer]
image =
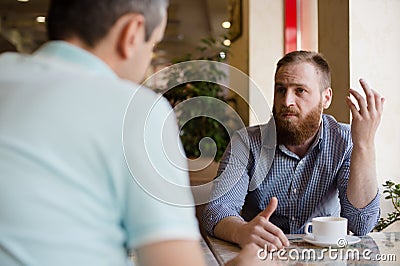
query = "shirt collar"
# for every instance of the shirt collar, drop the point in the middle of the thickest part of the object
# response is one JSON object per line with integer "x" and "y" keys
{"x": 319, "y": 137}
{"x": 317, "y": 141}
{"x": 74, "y": 55}
{"x": 321, "y": 133}
{"x": 268, "y": 134}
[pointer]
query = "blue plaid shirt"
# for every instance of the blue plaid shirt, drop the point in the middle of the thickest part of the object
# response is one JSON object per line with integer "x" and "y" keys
{"x": 307, "y": 187}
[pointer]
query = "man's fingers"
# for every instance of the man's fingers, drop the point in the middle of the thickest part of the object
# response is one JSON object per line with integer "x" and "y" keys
{"x": 379, "y": 100}
{"x": 369, "y": 94}
{"x": 274, "y": 239}
{"x": 360, "y": 100}
{"x": 271, "y": 233}
{"x": 352, "y": 107}
{"x": 269, "y": 210}
{"x": 373, "y": 100}
{"x": 382, "y": 102}
{"x": 271, "y": 247}
{"x": 277, "y": 232}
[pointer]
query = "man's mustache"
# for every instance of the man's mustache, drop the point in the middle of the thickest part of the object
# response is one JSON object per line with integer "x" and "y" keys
{"x": 285, "y": 110}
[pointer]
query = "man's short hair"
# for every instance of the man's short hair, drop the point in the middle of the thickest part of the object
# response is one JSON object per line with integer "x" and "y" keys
{"x": 90, "y": 20}
{"x": 316, "y": 59}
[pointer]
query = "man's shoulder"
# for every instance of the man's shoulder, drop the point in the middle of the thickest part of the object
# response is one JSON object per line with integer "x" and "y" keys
{"x": 10, "y": 59}
{"x": 335, "y": 129}
{"x": 252, "y": 132}
{"x": 35, "y": 69}
{"x": 259, "y": 135}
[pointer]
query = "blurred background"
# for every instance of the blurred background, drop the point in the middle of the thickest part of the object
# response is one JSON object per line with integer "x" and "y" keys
{"x": 22, "y": 23}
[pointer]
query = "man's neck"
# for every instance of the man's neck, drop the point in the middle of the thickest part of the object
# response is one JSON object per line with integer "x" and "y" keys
{"x": 301, "y": 150}
{"x": 102, "y": 50}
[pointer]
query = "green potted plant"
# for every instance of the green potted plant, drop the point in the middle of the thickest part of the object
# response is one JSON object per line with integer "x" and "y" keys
{"x": 193, "y": 130}
{"x": 392, "y": 192}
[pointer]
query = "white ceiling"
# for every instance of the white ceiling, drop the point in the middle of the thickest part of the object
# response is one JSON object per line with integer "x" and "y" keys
{"x": 188, "y": 22}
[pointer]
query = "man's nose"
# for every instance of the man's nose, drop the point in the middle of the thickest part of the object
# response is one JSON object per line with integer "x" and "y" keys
{"x": 288, "y": 99}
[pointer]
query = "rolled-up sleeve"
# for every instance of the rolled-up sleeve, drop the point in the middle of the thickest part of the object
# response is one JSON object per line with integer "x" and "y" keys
{"x": 231, "y": 185}
{"x": 360, "y": 221}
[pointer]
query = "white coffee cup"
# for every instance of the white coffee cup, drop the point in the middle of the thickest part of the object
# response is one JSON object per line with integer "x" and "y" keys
{"x": 327, "y": 229}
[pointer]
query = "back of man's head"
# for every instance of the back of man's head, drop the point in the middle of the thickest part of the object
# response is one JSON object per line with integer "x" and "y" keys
{"x": 90, "y": 21}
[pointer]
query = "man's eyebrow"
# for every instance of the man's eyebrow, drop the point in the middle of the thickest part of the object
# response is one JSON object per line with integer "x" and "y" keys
{"x": 290, "y": 84}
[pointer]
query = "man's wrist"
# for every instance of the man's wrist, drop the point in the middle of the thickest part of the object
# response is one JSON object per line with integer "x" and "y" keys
{"x": 236, "y": 236}
{"x": 364, "y": 146}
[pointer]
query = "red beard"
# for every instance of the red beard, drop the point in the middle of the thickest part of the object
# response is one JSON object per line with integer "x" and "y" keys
{"x": 297, "y": 132}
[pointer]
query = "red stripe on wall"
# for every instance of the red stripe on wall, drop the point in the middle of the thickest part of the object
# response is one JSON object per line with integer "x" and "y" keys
{"x": 290, "y": 26}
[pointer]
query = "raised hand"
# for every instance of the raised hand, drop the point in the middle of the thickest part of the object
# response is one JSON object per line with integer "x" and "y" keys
{"x": 367, "y": 117}
{"x": 261, "y": 231}
{"x": 363, "y": 184}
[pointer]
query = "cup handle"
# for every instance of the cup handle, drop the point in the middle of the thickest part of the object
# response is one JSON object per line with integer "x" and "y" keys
{"x": 306, "y": 229}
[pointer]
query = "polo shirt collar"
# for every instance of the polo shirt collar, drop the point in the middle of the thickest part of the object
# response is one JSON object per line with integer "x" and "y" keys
{"x": 73, "y": 55}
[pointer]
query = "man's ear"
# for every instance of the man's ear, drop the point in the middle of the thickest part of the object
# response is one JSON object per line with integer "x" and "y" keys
{"x": 327, "y": 97}
{"x": 132, "y": 32}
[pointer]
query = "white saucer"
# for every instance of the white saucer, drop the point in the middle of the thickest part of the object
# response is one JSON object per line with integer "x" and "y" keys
{"x": 351, "y": 240}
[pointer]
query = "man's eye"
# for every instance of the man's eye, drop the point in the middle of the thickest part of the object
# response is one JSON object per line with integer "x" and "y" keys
{"x": 300, "y": 90}
{"x": 280, "y": 90}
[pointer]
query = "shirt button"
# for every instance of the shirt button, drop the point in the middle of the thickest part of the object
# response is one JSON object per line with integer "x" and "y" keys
{"x": 294, "y": 191}
{"x": 293, "y": 218}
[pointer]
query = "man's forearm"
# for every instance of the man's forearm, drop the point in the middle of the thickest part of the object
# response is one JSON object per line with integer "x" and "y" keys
{"x": 363, "y": 185}
{"x": 226, "y": 229}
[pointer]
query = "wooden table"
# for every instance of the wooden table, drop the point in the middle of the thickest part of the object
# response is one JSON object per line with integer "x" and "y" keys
{"x": 208, "y": 255}
{"x": 373, "y": 247}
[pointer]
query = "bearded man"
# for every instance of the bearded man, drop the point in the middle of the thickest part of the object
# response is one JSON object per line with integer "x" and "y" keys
{"x": 316, "y": 167}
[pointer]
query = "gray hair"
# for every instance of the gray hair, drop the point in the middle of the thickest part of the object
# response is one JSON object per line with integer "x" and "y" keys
{"x": 92, "y": 20}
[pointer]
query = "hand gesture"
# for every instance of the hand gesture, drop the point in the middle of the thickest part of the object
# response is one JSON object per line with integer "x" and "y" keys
{"x": 367, "y": 117}
{"x": 262, "y": 232}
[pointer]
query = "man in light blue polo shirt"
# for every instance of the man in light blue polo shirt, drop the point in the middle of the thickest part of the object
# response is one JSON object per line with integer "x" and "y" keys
{"x": 67, "y": 194}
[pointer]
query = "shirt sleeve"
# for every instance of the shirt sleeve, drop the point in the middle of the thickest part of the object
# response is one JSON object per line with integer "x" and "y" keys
{"x": 360, "y": 221}
{"x": 159, "y": 203}
{"x": 231, "y": 185}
